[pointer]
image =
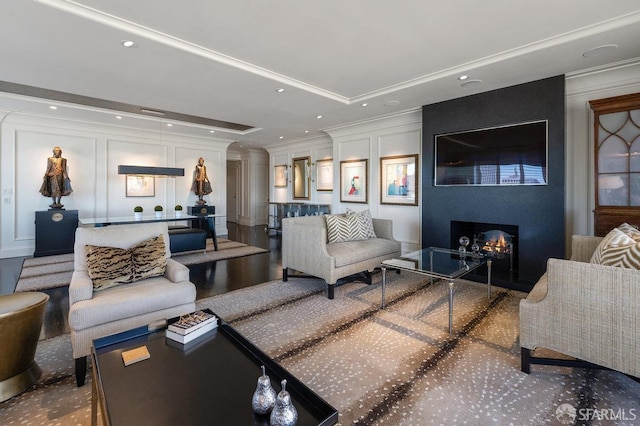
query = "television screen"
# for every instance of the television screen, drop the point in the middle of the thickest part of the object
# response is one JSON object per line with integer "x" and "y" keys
{"x": 514, "y": 154}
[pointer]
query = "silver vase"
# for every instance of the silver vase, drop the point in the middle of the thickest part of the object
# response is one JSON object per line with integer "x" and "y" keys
{"x": 264, "y": 398}
{"x": 284, "y": 413}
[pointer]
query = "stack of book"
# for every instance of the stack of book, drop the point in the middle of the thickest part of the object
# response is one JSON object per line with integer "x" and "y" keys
{"x": 185, "y": 328}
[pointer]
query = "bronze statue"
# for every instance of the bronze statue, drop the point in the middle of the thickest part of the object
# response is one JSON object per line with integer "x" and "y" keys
{"x": 56, "y": 182}
{"x": 201, "y": 185}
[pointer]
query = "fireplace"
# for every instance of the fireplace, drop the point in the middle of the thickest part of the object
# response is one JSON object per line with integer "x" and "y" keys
{"x": 497, "y": 241}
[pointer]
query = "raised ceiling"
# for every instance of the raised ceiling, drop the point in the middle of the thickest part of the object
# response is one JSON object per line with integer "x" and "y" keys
{"x": 224, "y": 61}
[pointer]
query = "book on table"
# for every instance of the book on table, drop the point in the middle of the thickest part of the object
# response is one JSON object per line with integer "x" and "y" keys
{"x": 186, "y": 338}
{"x": 189, "y": 323}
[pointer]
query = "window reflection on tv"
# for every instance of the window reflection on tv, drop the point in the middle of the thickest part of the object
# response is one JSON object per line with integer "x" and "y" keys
{"x": 507, "y": 155}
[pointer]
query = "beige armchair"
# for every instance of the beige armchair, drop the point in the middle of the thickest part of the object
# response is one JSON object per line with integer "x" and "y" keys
{"x": 587, "y": 311}
{"x": 94, "y": 314}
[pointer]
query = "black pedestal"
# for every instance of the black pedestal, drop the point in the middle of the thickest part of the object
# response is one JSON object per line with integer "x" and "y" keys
{"x": 55, "y": 232}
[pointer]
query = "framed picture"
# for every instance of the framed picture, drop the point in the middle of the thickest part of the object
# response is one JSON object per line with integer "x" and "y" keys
{"x": 398, "y": 180}
{"x": 324, "y": 175}
{"x": 353, "y": 181}
{"x": 280, "y": 176}
{"x": 141, "y": 186}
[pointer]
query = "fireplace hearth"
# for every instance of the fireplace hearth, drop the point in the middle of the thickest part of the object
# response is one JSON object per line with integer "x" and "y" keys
{"x": 498, "y": 241}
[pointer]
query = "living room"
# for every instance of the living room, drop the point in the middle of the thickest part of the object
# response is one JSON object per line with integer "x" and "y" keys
{"x": 95, "y": 142}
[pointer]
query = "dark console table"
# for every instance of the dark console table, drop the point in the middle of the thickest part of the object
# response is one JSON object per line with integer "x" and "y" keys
{"x": 207, "y": 381}
{"x": 55, "y": 232}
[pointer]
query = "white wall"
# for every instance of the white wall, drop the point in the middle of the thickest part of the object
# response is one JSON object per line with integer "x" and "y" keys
{"x": 582, "y": 87}
{"x": 93, "y": 152}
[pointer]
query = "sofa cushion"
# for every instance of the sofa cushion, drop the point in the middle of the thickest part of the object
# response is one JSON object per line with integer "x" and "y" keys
{"x": 618, "y": 249}
{"x": 365, "y": 222}
{"x": 112, "y": 266}
{"x": 343, "y": 228}
{"x": 350, "y": 252}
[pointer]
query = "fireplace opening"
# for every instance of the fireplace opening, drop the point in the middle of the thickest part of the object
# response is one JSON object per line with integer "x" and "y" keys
{"x": 498, "y": 241}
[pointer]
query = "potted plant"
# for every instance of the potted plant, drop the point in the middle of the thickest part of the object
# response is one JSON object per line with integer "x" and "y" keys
{"x": 137, "y": 212}
{"x": 158, "y": 210}
{"x": 178, "y": 210}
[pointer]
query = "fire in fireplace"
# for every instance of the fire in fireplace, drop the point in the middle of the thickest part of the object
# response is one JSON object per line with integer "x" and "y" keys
{"x": 499, "y": 241}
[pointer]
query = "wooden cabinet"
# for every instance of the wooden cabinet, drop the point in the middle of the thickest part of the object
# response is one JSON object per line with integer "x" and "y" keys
{"x": 617, "y": 161}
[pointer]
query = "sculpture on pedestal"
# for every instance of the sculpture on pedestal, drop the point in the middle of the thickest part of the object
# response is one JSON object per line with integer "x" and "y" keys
{"x": 56, "y": 182}
{"x": 201, "y": 185}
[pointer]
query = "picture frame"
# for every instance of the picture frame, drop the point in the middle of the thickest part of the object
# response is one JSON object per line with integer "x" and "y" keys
{"x": 399, "y": 180}
{"x": 140, "y": 186}
{"x": 280, "y": 176}
{"x": 324, "y": 175}
{"x": 354, "y": 186}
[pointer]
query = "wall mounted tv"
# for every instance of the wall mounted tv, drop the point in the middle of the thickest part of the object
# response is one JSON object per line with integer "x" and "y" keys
{"x": 514, "y": 154}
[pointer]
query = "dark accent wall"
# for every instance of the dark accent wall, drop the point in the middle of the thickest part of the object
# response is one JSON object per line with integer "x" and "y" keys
{"x": 538, "y": 211}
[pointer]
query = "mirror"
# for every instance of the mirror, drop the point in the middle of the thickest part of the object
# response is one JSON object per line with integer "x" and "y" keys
{"x": 301, "y": 181}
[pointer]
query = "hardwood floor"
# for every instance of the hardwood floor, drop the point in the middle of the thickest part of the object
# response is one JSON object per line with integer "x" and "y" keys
{"x": 210, "y": 278}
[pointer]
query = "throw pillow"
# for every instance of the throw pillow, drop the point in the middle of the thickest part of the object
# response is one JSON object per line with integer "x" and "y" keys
{"x": 343, "y": 228}
{"x": 149, "y": 258}
{"x": 617, "y": 249}
{"x": 108, "y": 266}
{"x": 630, "y": 230}
{"x": 365, "y": 222}
{"x": 111, "y": 266}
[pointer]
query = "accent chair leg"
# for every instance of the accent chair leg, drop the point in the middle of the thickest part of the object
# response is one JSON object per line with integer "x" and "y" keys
{"x": 525, "y": 360}
{"x": 285, "y": 275}
{"x": 81, "y": 370}
{"x": 330, "y": 291}
{"x": 369, "y": 277}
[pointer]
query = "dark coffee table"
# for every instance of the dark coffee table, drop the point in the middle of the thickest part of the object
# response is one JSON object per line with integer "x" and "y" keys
{"x": 210, "y": 380}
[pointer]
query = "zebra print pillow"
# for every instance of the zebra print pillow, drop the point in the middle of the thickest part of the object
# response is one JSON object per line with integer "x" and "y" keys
{"x": 618, "y": 249}
{"x": 365, "y": 222}
{"x": 343, "y": 228}
{"x": 111, "y": 266}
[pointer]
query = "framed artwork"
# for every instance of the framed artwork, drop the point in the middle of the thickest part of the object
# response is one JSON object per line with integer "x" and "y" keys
{"x": 141, "y": 186}
{"x": 353, "y": 181}
{"x": 324, "y": 175}
{"x": 280, "y": 176}
{"x": 398, "y": 180}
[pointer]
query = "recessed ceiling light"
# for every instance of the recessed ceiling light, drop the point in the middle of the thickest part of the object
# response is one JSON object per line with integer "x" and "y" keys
{"x": 281, "y": 137}
{"x": 318, "y": 117}
{"x": 306, "y": 131}
{"x": 212, "y": 131}
{"x": 169, "y": 125}
{"x": 364, "y": 104}
{"x": 128, "y": 43}
{"x": 53, "y": 107}
{"x": 600, "y": 50}
{"x": 119, "y": 117}
{"x": 463, "y": 77}
{"x": 471, "y": 83}
{"x": 280, "y": 90}
{"x": 391, "y": 103}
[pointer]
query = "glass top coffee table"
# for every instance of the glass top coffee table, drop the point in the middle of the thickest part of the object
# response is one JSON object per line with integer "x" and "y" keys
{"x": 439, "y": 263}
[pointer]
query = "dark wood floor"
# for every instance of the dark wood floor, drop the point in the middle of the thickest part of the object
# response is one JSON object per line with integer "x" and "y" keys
{"x": 210, "y": 278}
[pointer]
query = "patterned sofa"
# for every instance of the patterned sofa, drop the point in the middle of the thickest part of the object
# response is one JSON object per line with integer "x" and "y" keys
{"x": 587, "y": 311}
{"x": 95, "y": 313}
{"x": 306, "y": 248}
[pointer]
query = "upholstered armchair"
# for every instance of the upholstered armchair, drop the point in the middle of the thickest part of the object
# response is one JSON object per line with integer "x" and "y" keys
{"x": 587, "y": 311}
{"x": 104, "y": 300}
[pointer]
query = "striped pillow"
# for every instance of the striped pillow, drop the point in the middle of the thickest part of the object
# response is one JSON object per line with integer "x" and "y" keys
{"x": 111, "y": 266}
{"x": 343, "y": 228}
{"x": 365, "y": 222}
{"x": 618, "y": 249}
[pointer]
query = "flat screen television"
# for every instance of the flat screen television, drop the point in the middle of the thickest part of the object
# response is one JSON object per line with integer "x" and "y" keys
{"x": 514, "y": 154}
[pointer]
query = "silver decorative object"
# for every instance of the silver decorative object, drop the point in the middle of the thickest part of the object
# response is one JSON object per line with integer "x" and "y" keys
{"x": 264, "y": 398}
{"x": 284, "y": 413}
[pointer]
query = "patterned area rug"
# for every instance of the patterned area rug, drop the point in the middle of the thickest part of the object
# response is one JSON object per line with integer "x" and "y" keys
{"x": 397, "y": 366}
{"x": 55, "y": 271}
